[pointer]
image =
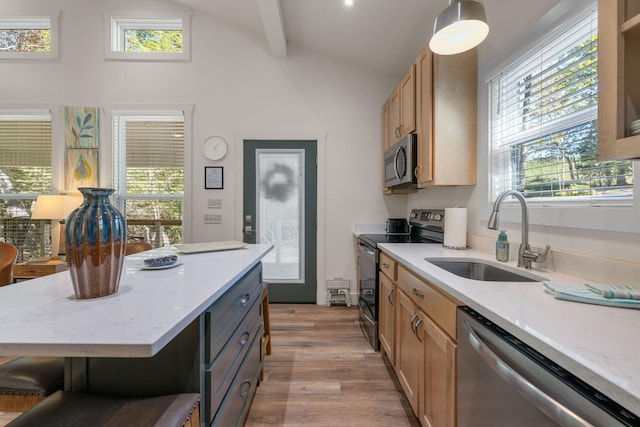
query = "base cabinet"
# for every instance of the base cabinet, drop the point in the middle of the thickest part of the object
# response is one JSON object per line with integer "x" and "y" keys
{"x": 425, "y": 349}
{"x": 409, "y": 350}
{"x": 437, "y": 391}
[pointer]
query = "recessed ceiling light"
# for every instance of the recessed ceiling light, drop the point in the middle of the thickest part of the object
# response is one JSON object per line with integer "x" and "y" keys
{"x": 348, "y": 3}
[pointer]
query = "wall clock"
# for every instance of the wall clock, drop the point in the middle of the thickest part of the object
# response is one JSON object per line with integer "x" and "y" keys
{"x": 215, "y": 148}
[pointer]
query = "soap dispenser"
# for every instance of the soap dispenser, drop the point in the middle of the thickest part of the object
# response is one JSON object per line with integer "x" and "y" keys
{"x": 502, "y": 247}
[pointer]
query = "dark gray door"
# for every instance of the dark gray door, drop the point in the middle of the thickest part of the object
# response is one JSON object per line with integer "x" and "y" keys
{"x": 280, "y": 203}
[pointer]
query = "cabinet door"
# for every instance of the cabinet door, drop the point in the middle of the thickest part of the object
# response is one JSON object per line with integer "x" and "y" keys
{"x": 387, "y": 317}
{"x": 408, "y": 102}
{"x": 408, "y": 349}
{"x": 394, "y": 116}
{"x": 424, "y": 96}
{"x": 619, "y": 86}
{"x": 438, "y": 381}
{"x": 386, "y": 143}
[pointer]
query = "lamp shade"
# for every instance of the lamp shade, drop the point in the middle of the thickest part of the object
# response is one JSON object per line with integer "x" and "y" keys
{"x": 458, "y": 28}
{"x": 52, "y": 206}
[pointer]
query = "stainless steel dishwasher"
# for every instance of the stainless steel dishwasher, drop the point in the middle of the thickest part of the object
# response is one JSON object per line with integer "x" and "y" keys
{"x": 504, "y": 382}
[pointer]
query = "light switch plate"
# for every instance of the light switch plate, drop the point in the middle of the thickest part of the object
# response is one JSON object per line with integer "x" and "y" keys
{"x": 214, "y": 203}
{"x": 213, "y": 219}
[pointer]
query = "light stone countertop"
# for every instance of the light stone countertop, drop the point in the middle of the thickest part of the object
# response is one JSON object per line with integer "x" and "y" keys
{"x": 42, "y": 317}
{"x": 598, "y": 344}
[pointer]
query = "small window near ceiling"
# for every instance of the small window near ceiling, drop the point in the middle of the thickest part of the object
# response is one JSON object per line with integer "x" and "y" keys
{"x": 143, "y": 36}
{"x": 27, "y": 37}
{"x": 544, "y": 127}
{"x": 25, "y": 172}
{"x": 149, "y": 175}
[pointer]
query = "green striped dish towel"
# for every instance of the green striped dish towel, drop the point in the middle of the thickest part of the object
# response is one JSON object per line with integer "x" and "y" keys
{"x": 571, "y": 293}
{"x": 615, "y": 291}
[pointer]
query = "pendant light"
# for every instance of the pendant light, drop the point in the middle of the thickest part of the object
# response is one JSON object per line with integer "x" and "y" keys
{"x": 458, "y": 28}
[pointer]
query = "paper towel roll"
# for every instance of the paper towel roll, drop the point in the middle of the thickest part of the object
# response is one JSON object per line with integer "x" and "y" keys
{"x": 455, "y": 228}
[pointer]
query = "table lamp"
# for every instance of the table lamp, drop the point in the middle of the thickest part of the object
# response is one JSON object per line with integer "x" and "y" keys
{"x": 57, "y": 208}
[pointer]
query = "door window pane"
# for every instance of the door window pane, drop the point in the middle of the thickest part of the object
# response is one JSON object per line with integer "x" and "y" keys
{"x": 280, "y": 185}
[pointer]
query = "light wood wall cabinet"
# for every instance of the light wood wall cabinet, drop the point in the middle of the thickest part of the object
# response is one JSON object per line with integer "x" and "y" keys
{"x": 387, "y": 304}
{"x": 618, "y": 75}
{"x": 446, "y": 111}
{"x": 426, "y": 349}
{"x": 399, "y": 112}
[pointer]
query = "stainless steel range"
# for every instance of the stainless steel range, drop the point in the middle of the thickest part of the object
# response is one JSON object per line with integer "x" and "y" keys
{"x": 426, "y": 226}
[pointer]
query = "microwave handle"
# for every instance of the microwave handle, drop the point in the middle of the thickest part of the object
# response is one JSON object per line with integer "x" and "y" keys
{"x": 395, "y": 163}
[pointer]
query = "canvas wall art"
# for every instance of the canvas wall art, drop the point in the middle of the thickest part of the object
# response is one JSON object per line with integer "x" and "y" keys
{"x": 82, "y": 127}
{"x": 80, "y": 169}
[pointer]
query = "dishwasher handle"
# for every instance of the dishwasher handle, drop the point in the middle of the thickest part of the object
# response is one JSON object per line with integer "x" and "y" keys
{"x": 548, "y": 405}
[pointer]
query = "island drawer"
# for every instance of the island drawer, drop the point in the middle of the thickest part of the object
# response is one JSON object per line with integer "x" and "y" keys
{"x": 220, "y": 374}
{"x": 236, "y": 403}
{"x": 222, "y": 318}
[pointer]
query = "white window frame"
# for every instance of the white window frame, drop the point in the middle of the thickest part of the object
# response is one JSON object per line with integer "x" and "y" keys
{"x": 47, "y": 21}
{"x": 595, "y": 217}
{"x": 107, "y": 160}
{"x": 116, "y": 21}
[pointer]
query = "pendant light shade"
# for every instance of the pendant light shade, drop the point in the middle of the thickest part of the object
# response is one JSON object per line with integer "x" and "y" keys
{"x": 460, "y": 27}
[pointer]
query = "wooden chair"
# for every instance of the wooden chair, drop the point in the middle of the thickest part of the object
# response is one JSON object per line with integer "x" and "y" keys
{"x": 135, "y": 247}
{"x": 8, "y": 254}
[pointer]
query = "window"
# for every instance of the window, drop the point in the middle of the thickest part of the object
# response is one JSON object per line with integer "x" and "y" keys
{"x": 147, "y": 36}
{"x": 149, "y": 175}
{"x": 25, "y": 172}
{"x": 28, "y": 37}
{"x": 543, "y": 123}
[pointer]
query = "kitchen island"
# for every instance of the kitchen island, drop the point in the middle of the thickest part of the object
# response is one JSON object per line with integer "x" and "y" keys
{"x": 159, "y": 334}
{"x": 598, "y": 344}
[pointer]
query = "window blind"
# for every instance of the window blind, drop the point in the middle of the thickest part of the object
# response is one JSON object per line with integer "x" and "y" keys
{"x": 544, "y": 123}
{"x": 25, "y": 172}
{"x": 149, "y": 175}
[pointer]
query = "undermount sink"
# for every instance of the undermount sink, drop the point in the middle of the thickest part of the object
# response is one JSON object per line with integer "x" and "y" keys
{"x": 477, "y": 269}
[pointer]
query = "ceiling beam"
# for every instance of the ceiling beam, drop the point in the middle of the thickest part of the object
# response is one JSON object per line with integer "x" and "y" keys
{"x": 271, "y": 15}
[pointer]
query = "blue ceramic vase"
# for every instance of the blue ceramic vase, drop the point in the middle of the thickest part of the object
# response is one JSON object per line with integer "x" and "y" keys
{"x": 95, "y": 236}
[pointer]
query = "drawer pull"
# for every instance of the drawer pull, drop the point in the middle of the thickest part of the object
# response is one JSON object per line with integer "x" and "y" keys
{"x": 417, "y": 294}
{"x": 245, "y": 300}
{"x": 389, "y": 296}
{"x": 385, "y": 265}
{"x": 246, "y": 384}
{"x": 244, "y": 338}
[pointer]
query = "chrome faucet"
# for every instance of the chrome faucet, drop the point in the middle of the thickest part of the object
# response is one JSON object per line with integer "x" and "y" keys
{"x": 525, "y": 255}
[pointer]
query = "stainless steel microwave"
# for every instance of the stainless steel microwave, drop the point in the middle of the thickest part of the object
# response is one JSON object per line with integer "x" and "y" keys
{"x": 400, "y": 163}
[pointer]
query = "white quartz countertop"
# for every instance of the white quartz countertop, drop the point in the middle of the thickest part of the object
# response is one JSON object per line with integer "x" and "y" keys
{"x": 42, "y": 316}
{"x": 600, "y": 345}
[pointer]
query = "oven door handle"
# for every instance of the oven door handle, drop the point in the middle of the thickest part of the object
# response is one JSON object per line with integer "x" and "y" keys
{"x": 545, "y": 403}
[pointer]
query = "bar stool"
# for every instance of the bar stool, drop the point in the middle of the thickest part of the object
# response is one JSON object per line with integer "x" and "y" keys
{"x": 68, "y": 408}
{"x": 26, "y": 381}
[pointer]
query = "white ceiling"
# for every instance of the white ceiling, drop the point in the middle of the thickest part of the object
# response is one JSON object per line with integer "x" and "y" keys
{"x": 385, "y": 35}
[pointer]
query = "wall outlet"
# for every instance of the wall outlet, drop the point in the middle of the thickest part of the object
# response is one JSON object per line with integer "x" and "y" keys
{"x": 213, "y": 219}
{"x": 214, "y": 203}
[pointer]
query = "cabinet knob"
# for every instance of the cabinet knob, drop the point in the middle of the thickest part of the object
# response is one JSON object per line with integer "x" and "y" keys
{"x": 244, "y": 388}
{"x": 245, "y": 299}
{"x": 244, "y": 339}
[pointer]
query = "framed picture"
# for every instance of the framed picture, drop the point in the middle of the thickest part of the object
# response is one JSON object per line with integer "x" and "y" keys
{"x": 213, "y": 178}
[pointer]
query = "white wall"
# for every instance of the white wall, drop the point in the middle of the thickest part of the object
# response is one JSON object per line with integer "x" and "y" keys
{"x": 236, "y": 88}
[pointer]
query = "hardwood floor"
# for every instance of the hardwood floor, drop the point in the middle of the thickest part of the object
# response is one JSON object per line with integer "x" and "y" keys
{"x": 322, "y": 372}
